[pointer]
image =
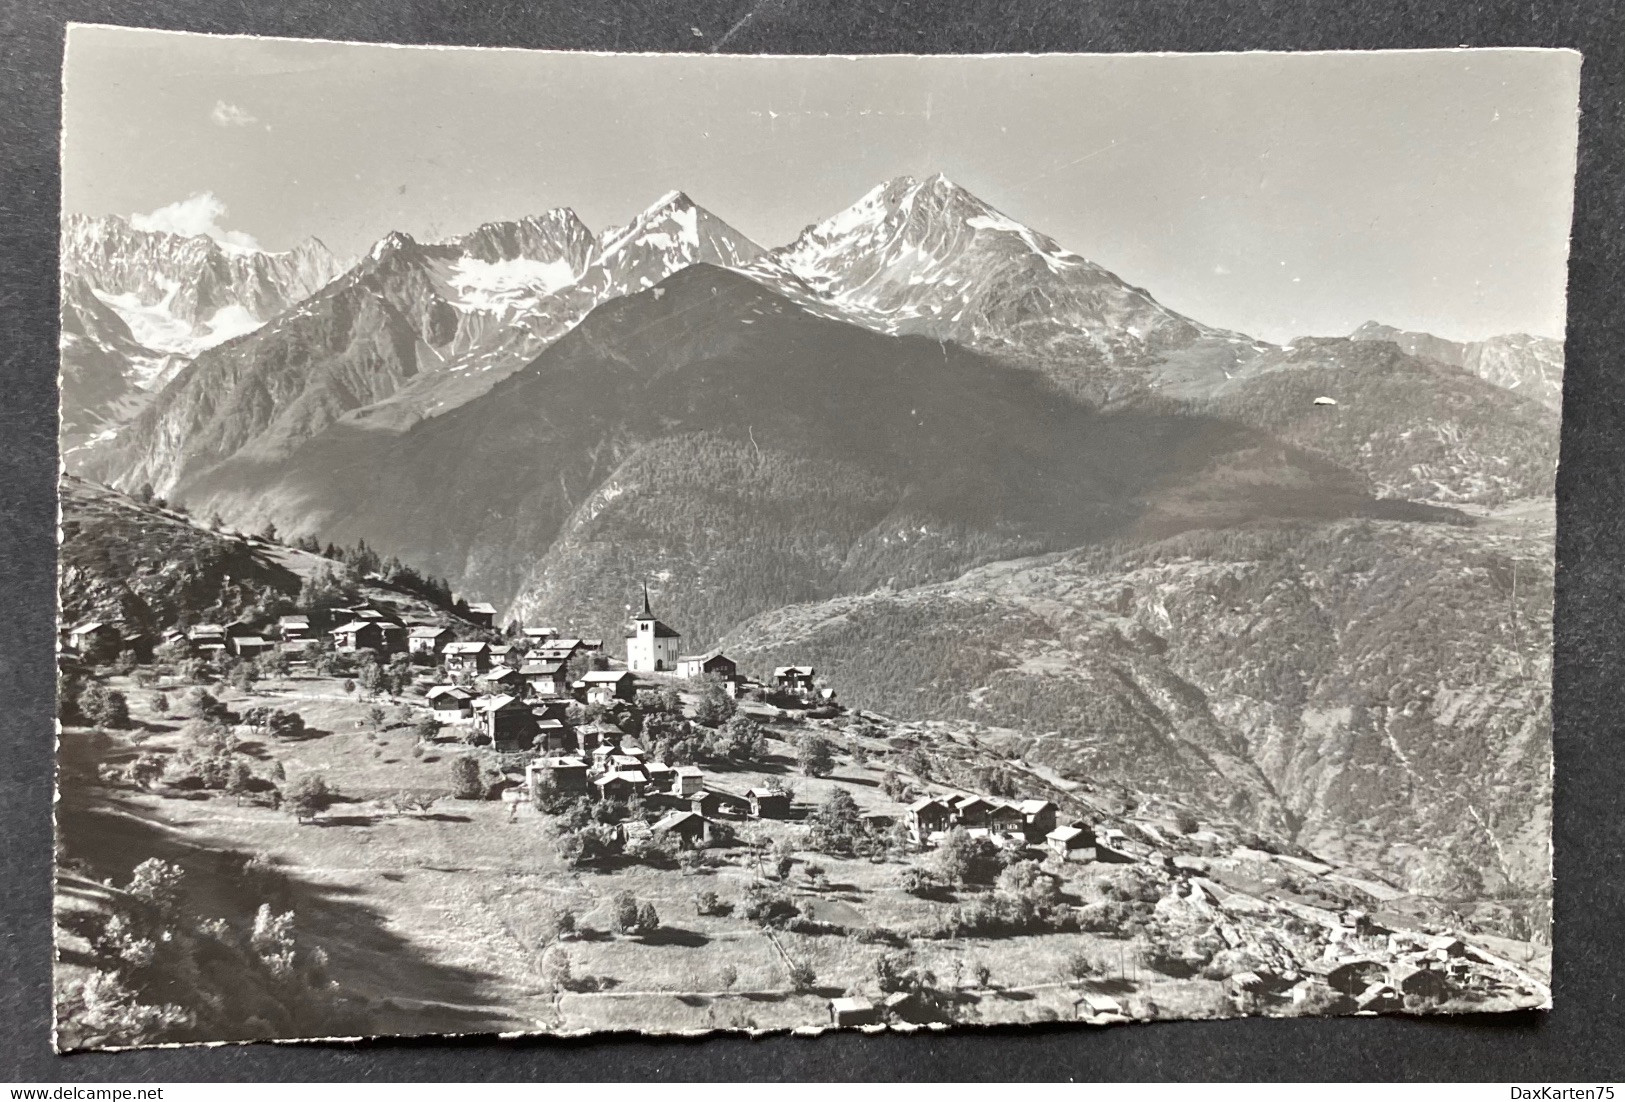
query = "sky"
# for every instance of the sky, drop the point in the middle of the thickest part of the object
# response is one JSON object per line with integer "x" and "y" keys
{"x": 1281, "y": 195}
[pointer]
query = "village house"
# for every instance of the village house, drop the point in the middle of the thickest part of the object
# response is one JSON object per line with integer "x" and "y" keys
{"x": 687, "y": 780}
{"x": 926, "y": 817}
{"x": 1006, "y": 818}
{"x": 593, "y": 735}
{"x": 535, "y": 637}
{"x": 1070, "y": 843}
{"x": 568, "y": 774}
{"x": 713, "y": 662}
{"x": 620, "y": 785}
{"x": 661, "y": 776}
{"x": 503, "y": 679}
{"x": 794, "y": 679}
{"x": 652, "y": 646}
{"x": 207, "y": 640}
{"x": 95, "y": 640}
{"x": 768, "y": 803}
{"x": 449, "y": 704}
{"x": 608, "y": 686}
{"x": 1039, "y": 818}
{"x": 295, "y": 629}
{"x": 250, "y": 646}
{"x": 688, "y": 828}
{"x": 467, "y": 657}
{"x": 711, "y": 804}
{"x": 852, "y": 1010}
{"x": 546, "y": 678}
{"x": 507, "y": 721}
{"x": 971, "y": 811}
{"x": 553, "y": 736}
{"x": 600, "y": 756}
{"x": 483, "y": 614}
{"x": 593, "y": 646}
{"x": 506, "y": 654}
{"x": 427, "y": 639}
{"x": 358, "y": 635}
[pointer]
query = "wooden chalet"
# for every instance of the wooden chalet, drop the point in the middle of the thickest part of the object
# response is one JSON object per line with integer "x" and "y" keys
{"x": 689, "y": 829}
{"x": 507, "y": 721}
{"x": 450, "y": 704}
{"x": 711, "y": 663}
{"x": 546, "y": 678}
{"x": 608, "y": 686}
{"x": 569, "y": 774}
{"x": 768, "y": 803}
{"x": 482, "y": 613}
{"x": 467, "y": 657}
{"x": 428, "y": 638}
{"x": 795, "y": 679}
{"x": 926, "y": 817}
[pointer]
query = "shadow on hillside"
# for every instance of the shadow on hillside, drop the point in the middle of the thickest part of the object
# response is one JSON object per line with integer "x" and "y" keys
{"x": 389, "y": 986}
{"x": 676, "y": 935}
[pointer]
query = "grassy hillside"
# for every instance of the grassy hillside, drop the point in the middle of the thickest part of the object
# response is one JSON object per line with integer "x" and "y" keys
{"x": 151, "y": 567}
{"x": 1384, "y": 687}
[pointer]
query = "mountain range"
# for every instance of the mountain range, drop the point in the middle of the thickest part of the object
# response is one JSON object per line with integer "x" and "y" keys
{"x": 974, "y": 474}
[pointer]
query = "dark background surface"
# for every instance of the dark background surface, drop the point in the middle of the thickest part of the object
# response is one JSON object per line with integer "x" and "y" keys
{"x": 1583, "y": 1038}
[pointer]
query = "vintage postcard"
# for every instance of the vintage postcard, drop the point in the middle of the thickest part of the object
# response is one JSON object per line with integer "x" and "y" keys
{"x": 556, "y": 543}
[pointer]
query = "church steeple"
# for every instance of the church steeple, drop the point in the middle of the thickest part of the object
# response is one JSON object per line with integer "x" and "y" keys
{"x": 646, "y": 610}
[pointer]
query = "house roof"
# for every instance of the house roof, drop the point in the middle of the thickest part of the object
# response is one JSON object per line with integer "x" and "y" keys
{"x": 352, "y": 627}
{"x": 428, "y": 631}
{"x": 765, "y": 793}
{"x": 495, "y": 703}
{"x": 627, "y": 775}
{"x": 565, "y": 762}
{"x": 793, "y": 671}
{"x": 676, "y": 819}
{"x": 592, "y": 644}
{"x": 539, "y": 633}
{"x": 1064, "y": 834}
{"x": 1033, "y": 807}
{"x": 253, "y": 641}
{"x": 501, "y": 673}
{"x": 540, "y": 669}
{"x": 547, "y": 724}
{"x": 606, "y": 677}
{"x": 690, "y": 771}
{"x": 466, "y": 647}
{"x": 446, "y": 690}
{"x": 501, "y": 648}
{"x": 922, "y": 804}
{"x": 715, "y": 652}
{"x": 851, "y": 1004}
{"x": 660, "y": 767}
{"x": 294, "y": 621}
{"x": 483, "y": 606}
{"x": 207, "y": 629}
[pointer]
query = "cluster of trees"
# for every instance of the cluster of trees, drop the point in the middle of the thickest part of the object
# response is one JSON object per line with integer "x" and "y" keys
{"x": 163, "y": 975}
{"x": 729, "y": 736}
{"x": 360, "y": 561}
{"x": 837, "y": 827}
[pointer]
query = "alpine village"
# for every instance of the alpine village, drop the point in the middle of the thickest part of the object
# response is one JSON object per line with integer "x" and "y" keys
{"x": 837, "y": 672}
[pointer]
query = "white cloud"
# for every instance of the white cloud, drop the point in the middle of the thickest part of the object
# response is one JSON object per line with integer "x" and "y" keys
{"x": 229, "y": 114}
{"x": 197, "y": 215}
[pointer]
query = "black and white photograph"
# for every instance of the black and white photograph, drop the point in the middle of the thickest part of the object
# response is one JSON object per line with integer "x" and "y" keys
{"x": 559, "y": 543}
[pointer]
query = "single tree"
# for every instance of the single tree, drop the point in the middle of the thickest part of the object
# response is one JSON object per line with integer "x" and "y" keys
{"x": 308, "y": 797}
{"x": 466, "y": 780}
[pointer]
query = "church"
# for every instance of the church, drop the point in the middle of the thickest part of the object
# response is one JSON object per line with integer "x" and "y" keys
{"x": 652, "y": 647}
